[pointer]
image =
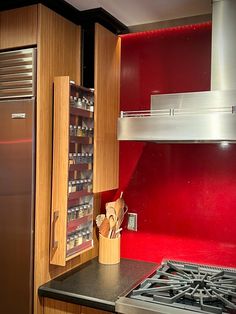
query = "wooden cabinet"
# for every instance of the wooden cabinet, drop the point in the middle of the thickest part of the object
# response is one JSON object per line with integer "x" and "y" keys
{"x": 58, "y": 307}
{"x": 103, "y": 146}
{"x": 58, "y": 46}
{"x": 107, "y": 100}
{"x": 18, "y": 27}
{"x": 72, "y": 197}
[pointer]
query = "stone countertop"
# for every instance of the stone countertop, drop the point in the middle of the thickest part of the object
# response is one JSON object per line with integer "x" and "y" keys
{"x": 96, "y": 285}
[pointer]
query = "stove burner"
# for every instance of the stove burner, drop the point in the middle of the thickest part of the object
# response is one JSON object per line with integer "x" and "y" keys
{"x": 198, "y": 287}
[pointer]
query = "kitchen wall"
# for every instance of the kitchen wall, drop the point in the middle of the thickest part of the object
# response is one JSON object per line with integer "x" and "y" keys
{"x": 184, "y": 194}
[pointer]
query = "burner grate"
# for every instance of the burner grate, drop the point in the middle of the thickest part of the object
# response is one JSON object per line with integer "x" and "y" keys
{"x": 201, "y": 288}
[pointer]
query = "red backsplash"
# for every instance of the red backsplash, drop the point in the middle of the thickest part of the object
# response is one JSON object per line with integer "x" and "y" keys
{"x": 184, "y": 194}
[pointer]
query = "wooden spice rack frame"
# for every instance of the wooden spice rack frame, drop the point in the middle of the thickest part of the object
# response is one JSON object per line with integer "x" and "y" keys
{"x": 73, "y": 106}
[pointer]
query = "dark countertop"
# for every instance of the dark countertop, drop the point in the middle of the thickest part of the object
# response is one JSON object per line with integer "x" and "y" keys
{"x": 95, "y": 285}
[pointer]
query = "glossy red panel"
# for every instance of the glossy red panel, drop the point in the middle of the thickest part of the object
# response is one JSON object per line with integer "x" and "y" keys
{"x": 184, "y": 194}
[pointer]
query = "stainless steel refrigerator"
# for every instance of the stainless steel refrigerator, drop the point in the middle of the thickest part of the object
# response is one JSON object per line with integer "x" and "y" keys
{"x": 17, "y": 180}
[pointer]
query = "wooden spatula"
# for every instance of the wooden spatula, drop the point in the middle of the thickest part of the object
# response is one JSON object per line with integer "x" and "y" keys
{"x": 119, "y": 209}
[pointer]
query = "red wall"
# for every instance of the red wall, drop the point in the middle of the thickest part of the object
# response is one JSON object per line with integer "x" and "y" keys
{"x": 184, "y": 194}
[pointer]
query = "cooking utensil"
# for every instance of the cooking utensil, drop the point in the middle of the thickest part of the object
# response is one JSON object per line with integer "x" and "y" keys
{"x": 119, "y": 206}
{"x": 123, "y": 211}
{"x": 110, "y": 211}
{"x": 99, "y": 219}
{"x": 104, "y": 228}
{"x": 112, "y": 223}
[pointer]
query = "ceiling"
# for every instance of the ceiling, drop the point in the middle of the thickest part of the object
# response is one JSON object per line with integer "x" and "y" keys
{"x": 135, "y": 12}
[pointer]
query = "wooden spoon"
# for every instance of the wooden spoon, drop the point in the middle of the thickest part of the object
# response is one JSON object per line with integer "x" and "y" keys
{"x": 104, "y": 228}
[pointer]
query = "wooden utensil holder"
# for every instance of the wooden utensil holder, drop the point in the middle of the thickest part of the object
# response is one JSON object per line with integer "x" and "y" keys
{"x": 109, "y": 250}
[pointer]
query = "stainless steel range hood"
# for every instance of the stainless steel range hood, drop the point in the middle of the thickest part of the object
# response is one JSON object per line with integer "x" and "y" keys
{"x": 201, "y": 116}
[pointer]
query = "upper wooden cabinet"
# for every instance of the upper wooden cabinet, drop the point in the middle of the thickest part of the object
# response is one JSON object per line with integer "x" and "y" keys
{"x": 18, "y": 27}
{"x": 107, "y": 99}
{"x": 70, "y": 144}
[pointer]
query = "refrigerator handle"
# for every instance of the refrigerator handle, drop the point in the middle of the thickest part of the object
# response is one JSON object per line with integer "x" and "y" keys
{"x": 55, "y": 217}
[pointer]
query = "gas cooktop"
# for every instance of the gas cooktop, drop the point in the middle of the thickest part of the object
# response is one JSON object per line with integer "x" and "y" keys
{"x": 179, "y": 287}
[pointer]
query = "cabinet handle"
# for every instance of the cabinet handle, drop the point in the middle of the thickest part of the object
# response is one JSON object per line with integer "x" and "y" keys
{"x": 55, "y": 217}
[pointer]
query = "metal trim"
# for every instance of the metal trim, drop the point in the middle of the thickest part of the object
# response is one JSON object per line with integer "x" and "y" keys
{"x": 189, "y": 117}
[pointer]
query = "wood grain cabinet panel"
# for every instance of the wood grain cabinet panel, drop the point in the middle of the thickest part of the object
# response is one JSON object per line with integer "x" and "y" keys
{"x": 89, "y": 310}
{"x": 59, "y": 307}
{"x": 106, "y": 109}
{"x": 18, "y": 27}
{"x": 58, "y": 54}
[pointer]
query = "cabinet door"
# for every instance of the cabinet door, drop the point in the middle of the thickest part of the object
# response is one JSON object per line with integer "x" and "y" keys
{"x": 60, "y": 170}
{"x": 51, "y": 306}
{"x": 106, "y": 110}
{"x": 58, "y": 307}
{"x": 18, "y": 27}
{"x": 89, "y": 310}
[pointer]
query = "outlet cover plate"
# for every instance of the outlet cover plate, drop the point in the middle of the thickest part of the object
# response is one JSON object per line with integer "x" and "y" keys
{"x": 132, "y": 221}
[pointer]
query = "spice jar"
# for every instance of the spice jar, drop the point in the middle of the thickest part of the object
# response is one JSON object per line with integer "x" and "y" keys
{"x": 90, "y": 186}
{"x": 79, "y": 131}
{"x": 81, "y": 211}
{"x": 89, "y": 206}
{"x": 87, "y": 104}
{"x": 87, "y": 235}
{"x": 67, "y": 244}
{"x": 68, "y": 215}
{"x": 69, "y": 187}
{"x": 76, "y": 240}
{"x": 85, "y": 209}
{"x": 76, "y": 212}
{"x": 73, "y": 189}
{"x": 79, "y": 103}
{"x": 75, "y": 130}
{"x": 72, "y": 214}
{"x": 84, "y": 235}
{"x": 74, "y": 158}
{"x": 71, "y": 130}
{"x": 77, "y": 185}
{"x": 72, "y": 242}
{"x": 90, "y": 158}
{"x": 71, "y": 160}
{"x": 80, "y": 238}
{"x": 91, "y": 107}
{"x": 82, "y": 131}
{"x": 83, "y": 103}
{"x": 82, "y": 158}
{"x": 90, "y": 132}
{"x": 87, "y": 131}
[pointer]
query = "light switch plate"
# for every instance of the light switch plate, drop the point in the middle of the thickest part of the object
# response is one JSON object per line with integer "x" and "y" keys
{"x": 132, "y": 221}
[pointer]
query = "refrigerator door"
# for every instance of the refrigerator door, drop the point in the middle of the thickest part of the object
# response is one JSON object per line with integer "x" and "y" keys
{"x": 16, "y": 205}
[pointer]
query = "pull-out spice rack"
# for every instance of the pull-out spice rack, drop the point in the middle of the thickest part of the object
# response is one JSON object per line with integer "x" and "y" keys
{"x": 72, "y": 186}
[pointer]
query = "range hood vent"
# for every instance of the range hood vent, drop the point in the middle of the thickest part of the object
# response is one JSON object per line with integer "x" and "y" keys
{"x": 201, "y": 116}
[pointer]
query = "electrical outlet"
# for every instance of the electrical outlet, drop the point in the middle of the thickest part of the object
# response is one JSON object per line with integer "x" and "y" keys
{"x": 132, "y": 221}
